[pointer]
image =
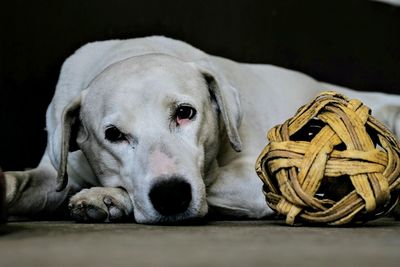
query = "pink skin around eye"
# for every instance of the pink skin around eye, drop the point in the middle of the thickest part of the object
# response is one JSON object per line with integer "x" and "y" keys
{"x": 182, "y": 122}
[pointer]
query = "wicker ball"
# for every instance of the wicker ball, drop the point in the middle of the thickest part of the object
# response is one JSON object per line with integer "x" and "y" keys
{"x": 332, "y": 163}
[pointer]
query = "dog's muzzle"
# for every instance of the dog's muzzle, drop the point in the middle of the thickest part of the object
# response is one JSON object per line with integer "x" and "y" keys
{"x": 171, "y": 197}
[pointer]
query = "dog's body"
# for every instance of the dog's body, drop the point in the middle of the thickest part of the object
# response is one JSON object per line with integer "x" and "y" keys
{"x": 159, "y": 126}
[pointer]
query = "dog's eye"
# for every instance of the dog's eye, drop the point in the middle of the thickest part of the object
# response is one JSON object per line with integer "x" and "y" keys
{"x": 184, "y": 113}
{"x": 112, "y": 134}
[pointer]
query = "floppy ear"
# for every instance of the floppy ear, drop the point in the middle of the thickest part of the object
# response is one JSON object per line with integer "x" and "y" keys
{"x": 69, "y": 128}
{"x": 227, "y": 98}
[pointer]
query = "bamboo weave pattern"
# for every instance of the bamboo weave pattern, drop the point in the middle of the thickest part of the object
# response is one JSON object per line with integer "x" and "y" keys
{"x": 345, "y": 171}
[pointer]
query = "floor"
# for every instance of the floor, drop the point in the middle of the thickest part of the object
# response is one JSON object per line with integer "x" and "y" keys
{"x": 224, "y": 243}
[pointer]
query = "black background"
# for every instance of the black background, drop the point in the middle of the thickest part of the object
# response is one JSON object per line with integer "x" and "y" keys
{"x": 350, "y": 43}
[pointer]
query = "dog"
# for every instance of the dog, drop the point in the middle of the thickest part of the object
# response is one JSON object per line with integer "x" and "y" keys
{"x": 158, "y": 131}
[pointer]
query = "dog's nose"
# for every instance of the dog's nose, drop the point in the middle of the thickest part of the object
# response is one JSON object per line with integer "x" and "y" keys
{"x": 171, "y": 197}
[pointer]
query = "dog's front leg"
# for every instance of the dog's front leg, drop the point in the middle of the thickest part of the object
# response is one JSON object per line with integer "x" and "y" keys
{"x": 33, "y": 193}
{"x": 237, "y": 192}
{"x": 101, "y": 204}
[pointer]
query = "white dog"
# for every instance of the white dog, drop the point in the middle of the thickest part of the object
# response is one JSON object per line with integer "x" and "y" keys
{"x": 159, "y": 131}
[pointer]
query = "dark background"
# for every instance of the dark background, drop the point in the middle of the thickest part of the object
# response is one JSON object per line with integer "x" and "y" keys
{"x": 350, "y": 43}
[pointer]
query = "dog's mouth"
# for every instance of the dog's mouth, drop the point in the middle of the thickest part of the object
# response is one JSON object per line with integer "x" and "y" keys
{"x": 169, "y": 200}
{"x": 184, "y": 213}
{"x": 188, "y": 217}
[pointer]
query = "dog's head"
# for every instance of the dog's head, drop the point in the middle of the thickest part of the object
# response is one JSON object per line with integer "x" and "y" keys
{"x": 152, "y": 125}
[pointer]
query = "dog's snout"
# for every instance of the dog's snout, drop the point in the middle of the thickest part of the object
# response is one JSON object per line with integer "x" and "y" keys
{"x": 171, "y": 197}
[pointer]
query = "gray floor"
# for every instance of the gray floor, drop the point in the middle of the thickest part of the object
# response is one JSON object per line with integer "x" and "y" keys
{"x": 245, "y": 243}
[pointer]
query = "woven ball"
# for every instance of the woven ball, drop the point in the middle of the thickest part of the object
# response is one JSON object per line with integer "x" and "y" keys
{"x": 332, "y": 163}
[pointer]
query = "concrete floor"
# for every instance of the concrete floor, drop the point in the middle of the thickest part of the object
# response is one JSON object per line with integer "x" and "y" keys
{"x": 224, "y": 243}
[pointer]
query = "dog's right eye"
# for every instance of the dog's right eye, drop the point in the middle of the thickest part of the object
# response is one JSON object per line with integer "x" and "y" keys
{"x": 113, "y": 134}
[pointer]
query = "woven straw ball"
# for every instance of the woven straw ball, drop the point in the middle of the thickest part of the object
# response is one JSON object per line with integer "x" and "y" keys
{"x": 332, "y": 163}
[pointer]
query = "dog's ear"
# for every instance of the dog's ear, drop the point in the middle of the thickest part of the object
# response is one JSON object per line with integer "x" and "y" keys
{"x": 70, "y": 123}
{"x": 227, "y": 98}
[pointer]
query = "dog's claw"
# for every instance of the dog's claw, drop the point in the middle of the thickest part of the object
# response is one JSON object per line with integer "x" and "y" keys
{"x": 108, "y": 200}
{"x": 81, "y": 204}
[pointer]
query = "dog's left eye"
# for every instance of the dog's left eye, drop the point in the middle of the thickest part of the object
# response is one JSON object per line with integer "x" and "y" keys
{"x": 113, "y": 134}
{"x": 184, "y": 113}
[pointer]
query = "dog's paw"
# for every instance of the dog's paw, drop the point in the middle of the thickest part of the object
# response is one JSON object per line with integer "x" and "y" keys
{"x": 100, "y": 204}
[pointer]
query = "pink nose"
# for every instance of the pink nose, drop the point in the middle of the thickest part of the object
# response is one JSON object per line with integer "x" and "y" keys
{"x": 161, "y": 164}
